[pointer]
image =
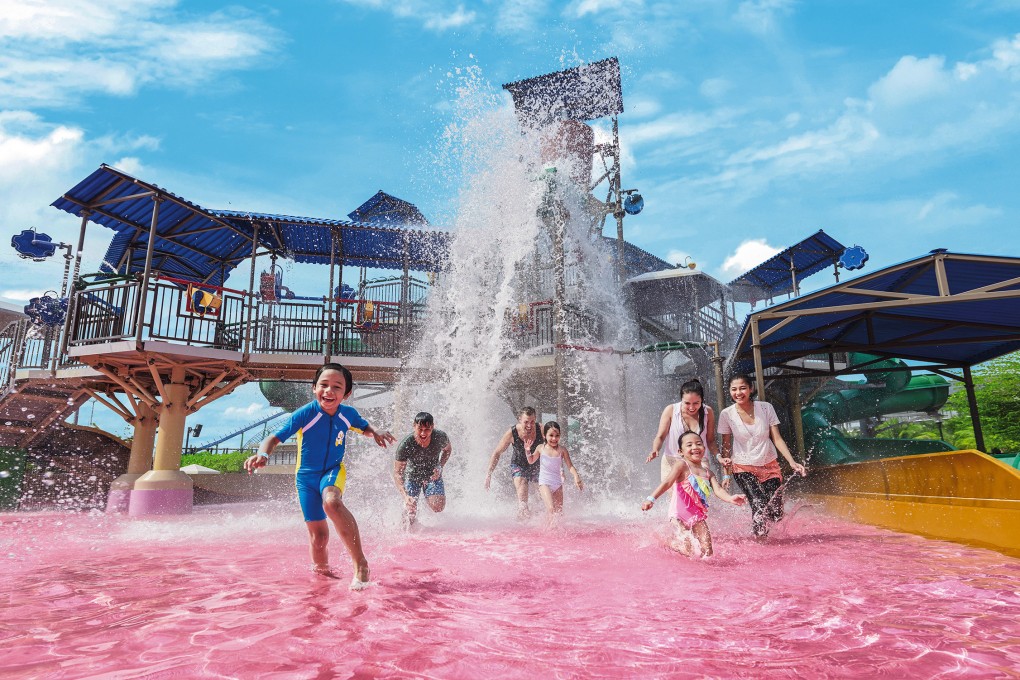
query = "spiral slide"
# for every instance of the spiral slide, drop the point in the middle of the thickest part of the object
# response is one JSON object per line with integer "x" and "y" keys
{"x": 918, "y": 486}
{"x": 893, "y": 390}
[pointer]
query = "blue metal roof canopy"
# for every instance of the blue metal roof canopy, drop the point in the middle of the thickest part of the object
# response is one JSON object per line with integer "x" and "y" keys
{"x": 191, "y": 242}
{"x": 781, "y": 273}
{"x": 199, "y": 244}
{"x": 387, "y": 210}
{"x": 308, "y": 239}
{"x": 636, "y": 260}
{"x": 944, "y": 309}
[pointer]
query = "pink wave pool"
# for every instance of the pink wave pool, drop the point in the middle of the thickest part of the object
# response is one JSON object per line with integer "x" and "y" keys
{"x": 225, "y": 593}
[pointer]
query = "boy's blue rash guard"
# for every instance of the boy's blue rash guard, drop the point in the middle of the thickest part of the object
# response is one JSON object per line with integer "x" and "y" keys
{"x": 321, "y": 439}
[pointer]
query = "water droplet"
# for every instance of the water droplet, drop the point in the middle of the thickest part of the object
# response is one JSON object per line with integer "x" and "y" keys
{"x": 31, "y": 416}
{"x": 4, "y": 474}
{"x": 48, "y": 482}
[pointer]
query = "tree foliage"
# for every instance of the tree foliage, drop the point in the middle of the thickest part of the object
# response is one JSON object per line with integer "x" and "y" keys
{"x": 997, "y": 388}
{"x": 900, "y": 429}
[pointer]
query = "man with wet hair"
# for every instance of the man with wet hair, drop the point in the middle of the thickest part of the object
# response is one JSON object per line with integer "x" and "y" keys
{"x": 526, "y": 437}
{"x": 418, "y": 467}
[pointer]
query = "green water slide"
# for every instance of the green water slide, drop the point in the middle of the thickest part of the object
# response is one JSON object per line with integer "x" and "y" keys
{"x": 892, "y": 390}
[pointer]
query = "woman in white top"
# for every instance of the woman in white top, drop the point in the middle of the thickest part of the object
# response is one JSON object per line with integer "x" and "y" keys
{"x": 689, "y": 414}
{"x": 751, "y": 438}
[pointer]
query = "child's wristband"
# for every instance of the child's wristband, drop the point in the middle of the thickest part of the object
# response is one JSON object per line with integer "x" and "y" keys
{"x": 264, "y": 455}
{"x": 650, "y": 499}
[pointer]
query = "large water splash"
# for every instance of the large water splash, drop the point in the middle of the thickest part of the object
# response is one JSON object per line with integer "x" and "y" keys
{"x": 479, "y": 357}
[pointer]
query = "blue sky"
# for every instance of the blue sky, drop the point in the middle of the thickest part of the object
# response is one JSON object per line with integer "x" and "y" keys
{"x": 748, "y": 124}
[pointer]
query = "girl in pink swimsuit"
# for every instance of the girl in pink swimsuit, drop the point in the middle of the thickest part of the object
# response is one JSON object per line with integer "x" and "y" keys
{"x": 692, "y": 483}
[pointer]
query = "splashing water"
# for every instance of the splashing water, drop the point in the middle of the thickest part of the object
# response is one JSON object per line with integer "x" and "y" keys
{"x": 479, "y": 356}
{"x": 226, "y": 592}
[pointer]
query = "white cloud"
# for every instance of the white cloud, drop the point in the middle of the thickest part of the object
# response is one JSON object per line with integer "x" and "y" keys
{"x": 455, "y": 19}
{"x": 682, "y": 257}
{"x": 713, "y": 88}
{"x": 35, "y": 156}
{"x": 250, "y": 412}
{"x": 22, "y": 295}
{"x": 912, "y": 80}
{"x": 131, "y": 165}
{"x": 913, "y": 116}
{"x": 748, "y": 255}
{"x": 519, "y": 16}
{"x": 581, "y": 8}
{"x": 849, "y": 135}
{"x": 761, "y": 16}
{"x": 661, "y": 80}
{"x": 72, "y": 20}
{"x": 940, "y": 212}
{"x": 676, "y": 125}
{"x": 643, "y": 107}
{"x": 423, "y": 11}
{"x": 1006, "y": 54}
{"x": 55, "y": 52}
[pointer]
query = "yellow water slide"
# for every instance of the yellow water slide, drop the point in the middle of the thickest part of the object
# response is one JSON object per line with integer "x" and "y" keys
{"x": 962, "y": 496}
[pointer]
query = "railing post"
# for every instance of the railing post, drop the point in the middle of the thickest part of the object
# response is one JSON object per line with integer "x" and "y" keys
{"x": 65, "y": 338}
{"x": 330, "y": 298}
{"x": 250, "y": 298}
{"x": 404, "y": 285}
{"x": 144, "y": 284}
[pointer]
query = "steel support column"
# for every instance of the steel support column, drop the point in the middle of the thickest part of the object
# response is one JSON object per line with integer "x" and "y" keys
{"x": 975, "y": 417}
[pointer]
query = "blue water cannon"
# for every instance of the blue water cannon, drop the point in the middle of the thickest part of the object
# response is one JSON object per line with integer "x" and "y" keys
{"x": 634, "y": 203}
{"x": 47, "y": 310}
{"x": 853, "y": 258}
{"x": 32, "y": 245}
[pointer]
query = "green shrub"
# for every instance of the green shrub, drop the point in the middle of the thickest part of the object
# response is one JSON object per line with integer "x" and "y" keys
{"x": 224, "y": 462}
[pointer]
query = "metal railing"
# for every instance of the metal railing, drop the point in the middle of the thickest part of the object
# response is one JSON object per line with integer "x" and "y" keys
{"x": 532, "y": 327}
{"x": 104, "y": 313}
{"x": 12, "y": 342}
{"x": 382, "y": 321}
{"x": 212, "y": 316}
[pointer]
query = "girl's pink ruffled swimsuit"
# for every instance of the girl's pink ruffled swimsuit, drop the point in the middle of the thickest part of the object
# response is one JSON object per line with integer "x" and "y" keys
{"x": 689, "y": 503}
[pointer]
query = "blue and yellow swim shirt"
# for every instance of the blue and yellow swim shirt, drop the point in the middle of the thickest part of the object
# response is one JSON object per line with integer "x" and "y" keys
{"x": 321, "y": 438}
{"x": 321, "y": 443}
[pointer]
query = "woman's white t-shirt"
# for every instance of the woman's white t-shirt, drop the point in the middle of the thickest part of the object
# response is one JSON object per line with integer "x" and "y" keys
{"x": 752, "y": 444}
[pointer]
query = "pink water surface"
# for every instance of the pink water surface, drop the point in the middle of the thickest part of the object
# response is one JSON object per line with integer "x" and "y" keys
{"x": 225, "y": 593}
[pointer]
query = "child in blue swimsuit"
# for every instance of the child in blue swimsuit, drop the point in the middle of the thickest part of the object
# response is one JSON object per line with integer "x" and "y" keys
{"x": 322, "y": 427}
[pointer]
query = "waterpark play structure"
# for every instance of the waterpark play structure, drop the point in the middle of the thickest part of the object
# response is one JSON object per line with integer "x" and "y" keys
{"x": 155, "y": 333}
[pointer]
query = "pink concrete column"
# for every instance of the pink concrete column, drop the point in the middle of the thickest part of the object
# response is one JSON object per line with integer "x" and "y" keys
{"x": 140, "y": 461}
{"x": 165, "y": 490}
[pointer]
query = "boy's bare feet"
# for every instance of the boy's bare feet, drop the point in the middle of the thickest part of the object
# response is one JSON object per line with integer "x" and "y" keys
{"x": 361, "y": 576}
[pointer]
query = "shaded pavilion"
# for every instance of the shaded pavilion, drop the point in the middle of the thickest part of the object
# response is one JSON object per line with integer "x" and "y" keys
{"x": 163, "y": 245}
{"x": 943, "y": 312}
